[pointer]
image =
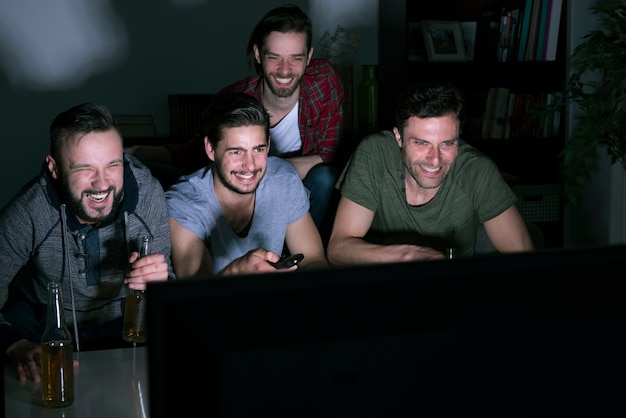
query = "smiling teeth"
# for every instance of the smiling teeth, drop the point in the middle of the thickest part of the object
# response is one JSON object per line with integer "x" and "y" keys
{"x": 431, "y": 170}
{"x": 98, "y": 197}
{"x": 283, "y": 80}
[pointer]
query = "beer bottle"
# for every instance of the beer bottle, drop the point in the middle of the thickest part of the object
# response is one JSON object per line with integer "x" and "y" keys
{"x": 134, "y": 327}
{"x": 57, "y": 359}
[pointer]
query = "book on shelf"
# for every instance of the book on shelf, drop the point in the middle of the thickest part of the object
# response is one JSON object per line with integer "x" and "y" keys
{"x": 544, "y": 39}
{"x": 517, "y": 114}
{"x": 547, "y": 117}
{"x": 540, "y": 113}
{"x": 557, "y": 100}
{"x": 533, "y": 31}
{"x": 509, "y": 24}
{"x": 488, "y": 32}
{"x": 508, "y": 122}
{"x": 519, "y": 30}
{"x": 552, "y": 33}
{"x": 499, "y": 113}
{"x": 519, "y": 17}
{"x": 543, "y": 23}
{"x": 489, "y": 104}
{"x": 528, "y": 128}
{"x": 537, "y": 30}
{"x": 513, "y": 33}
{"x": 524, "y": 29}
{"x": 505, "y": 36}
{"x": 533, "y": 115}
{"x": 551, "y": 116}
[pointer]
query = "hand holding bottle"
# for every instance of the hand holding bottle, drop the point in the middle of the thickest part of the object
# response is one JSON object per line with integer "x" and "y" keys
{"x": 146, "y": 268}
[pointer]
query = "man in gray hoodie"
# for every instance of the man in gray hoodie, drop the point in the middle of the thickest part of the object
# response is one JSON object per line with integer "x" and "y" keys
{"x": 78, "y": 223}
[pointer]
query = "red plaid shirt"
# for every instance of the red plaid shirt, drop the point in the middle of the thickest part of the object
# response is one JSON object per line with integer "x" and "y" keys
{"x": 320, "y": 112}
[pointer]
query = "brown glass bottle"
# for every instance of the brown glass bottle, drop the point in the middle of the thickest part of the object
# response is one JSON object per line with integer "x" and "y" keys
{"x": 134, "y": 326}
{"x": 57, "y": 359}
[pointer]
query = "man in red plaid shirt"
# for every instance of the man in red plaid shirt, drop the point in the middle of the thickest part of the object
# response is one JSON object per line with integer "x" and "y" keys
{"x": 303, "y": 96}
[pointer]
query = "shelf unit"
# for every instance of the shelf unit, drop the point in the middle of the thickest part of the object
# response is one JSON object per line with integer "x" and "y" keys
{"x": 527, "y": 161}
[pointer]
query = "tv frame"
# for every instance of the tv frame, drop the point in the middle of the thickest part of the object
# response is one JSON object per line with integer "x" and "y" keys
{"x": 520, "y": 320}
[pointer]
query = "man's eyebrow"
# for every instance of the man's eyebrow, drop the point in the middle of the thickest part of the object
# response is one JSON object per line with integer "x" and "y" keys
{"x": 117, "y": 160}
{"x": 274, "y": 54}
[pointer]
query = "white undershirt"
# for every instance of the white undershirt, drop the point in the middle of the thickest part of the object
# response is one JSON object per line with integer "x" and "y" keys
{"x": 285, "y": 136}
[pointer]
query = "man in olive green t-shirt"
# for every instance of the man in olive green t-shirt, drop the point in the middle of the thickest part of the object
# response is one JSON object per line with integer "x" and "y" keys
{"x": 410, "y": 193}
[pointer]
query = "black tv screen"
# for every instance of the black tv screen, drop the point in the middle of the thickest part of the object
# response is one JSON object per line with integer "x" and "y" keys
{"x": 494, "y": 335}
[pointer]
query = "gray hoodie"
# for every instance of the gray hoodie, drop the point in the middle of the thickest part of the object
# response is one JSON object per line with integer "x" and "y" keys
{"x": 41, "y": 241}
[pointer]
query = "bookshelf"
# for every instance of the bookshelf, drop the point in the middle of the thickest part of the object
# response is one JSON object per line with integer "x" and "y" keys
{"x": 529, "y": 159}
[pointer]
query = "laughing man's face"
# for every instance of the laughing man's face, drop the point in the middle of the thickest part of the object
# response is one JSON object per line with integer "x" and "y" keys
{"x": 284, "y": 59}
{"x": 92, "y": 174}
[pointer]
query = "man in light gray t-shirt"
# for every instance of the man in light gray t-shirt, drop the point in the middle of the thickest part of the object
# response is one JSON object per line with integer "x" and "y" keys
{"x": 281, "y": 199}
{"x": 237, "y": 215}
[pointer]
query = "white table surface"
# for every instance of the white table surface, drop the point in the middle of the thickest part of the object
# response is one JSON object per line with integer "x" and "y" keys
{"x": 107, "y": 384}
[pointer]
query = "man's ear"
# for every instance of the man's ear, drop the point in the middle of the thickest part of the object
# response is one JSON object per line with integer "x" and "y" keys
{"x": 208, "y": 148}
{"x": 52, "y": 167}
{"x": 396, "y": 133}
{"x": 257, "y": 53}
{"x": 308, "y": 59}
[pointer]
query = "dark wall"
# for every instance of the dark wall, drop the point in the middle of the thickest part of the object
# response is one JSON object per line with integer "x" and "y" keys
{"x": 128, "y": 55}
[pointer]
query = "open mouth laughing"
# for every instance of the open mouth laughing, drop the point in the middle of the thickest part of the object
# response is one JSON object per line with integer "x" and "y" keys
{"x": 284, "y": 80}
{"x": 98, "y": 197}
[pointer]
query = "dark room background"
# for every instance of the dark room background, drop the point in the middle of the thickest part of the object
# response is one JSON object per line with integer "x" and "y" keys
{"x": 130, "y": 55}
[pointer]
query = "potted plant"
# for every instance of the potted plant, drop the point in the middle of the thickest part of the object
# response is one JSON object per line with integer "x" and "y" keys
{"x": 597, "y": 86}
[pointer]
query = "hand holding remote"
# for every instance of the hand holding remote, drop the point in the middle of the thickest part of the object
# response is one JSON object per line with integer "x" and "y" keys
{"x": 288, "y": 261}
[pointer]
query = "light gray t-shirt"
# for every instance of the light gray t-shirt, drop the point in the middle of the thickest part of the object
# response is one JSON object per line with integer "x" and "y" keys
{"x": 281, "y": 199}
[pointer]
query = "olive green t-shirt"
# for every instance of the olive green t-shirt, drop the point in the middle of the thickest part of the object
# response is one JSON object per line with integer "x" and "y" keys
{"x": 473, "y": 192}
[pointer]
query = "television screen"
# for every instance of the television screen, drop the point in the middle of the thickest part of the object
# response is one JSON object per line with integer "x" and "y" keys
{"x": 493, "y": 335}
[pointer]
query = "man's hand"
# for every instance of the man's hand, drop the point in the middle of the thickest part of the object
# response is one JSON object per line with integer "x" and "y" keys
{"x": 25, "y": 357}
{"x": 255, "y": 261}
{"x": 407, "y": 252}
{"x": 149, "y": 268}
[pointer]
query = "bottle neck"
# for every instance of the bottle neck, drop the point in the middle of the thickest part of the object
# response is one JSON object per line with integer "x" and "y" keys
{"x": 55, "y": 317}
{"x": 145, "y": 247}
{"x": 56, "y": 329}
{"x": 369, "y": 71}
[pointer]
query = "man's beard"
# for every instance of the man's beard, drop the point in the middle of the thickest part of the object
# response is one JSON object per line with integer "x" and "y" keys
{"x": 75, "y": 205}
{"x": 282, "y": 92}
{"x": 229, "y": 185}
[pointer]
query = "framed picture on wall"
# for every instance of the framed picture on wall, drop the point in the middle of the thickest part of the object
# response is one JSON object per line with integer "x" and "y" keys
{"x": 444, "y": 40}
